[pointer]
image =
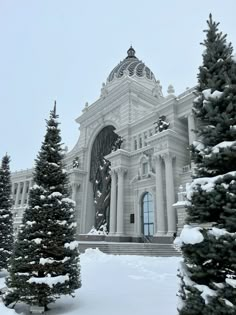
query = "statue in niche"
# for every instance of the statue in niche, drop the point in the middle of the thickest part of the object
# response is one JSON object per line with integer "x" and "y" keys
{"x": 157, "y": 90}
{"x": 161, "y": 124}
{"x": 104, "y": 91}
{"x": 100, "y": 177}
{"x": 117, "y": 144}
{"x": 75, "y": 163}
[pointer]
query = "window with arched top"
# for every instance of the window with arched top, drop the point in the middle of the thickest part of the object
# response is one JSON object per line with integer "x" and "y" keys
{"x": 148, "y": 214}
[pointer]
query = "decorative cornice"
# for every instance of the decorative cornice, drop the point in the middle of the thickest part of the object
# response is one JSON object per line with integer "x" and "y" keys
{"x": 76, "y": 171}
{"x": 23, "y": 175}
{"x": 121, "y": 170}
{"x": 166, "y": 134}
{"x": 113, "y": 99}
{"x": 167, "y": 141}
{"x": 117, "y": 154}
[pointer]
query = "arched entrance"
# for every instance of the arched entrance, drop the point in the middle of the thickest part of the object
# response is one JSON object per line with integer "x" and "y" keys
{"x": 106, "y": 141}
{"x": 147, "y": 214}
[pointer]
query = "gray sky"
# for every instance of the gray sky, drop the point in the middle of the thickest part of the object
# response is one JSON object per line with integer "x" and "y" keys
{"x": 64, "y": 50}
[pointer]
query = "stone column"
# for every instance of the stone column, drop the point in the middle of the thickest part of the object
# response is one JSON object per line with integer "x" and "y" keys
{"x": 137, "y": 213}
{"x": 23, "y": 195}
{"x": 170, "y": 194}
{"x": 120, "y": 201}
{"x": 112, "y": 228}
{"x": 17, "y": 195}
{"x": 14, "y": 187}
{"x": 160, "y": 212}
{"x": 191, "y": 127}
{"x": 30, "y": 185}
{"x": 74, "y": 197}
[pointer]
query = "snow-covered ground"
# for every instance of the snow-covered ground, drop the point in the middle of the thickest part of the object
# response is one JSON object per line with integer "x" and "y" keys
{"x": 118, "y": 285}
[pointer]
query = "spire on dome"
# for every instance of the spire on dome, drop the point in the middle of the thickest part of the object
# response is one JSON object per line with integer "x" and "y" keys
{"x": 131, "y": 52}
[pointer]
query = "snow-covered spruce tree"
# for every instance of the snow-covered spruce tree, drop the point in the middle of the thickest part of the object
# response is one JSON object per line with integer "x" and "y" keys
{"x": 45, "y": 262}
{"x": 6, "y": 229}
{"x": 208, "y": 273}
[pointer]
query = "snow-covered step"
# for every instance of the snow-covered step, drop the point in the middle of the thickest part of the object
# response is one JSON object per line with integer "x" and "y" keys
{"x": 144, "y": 249}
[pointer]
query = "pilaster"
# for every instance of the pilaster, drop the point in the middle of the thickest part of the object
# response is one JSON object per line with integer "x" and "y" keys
{"x": 160, "y": 212}
{"x": 30, "y": 185}
{"x": 170, "y": 193}
{"x": 120, "y": 201}
{"x": 23, "y": 194}
{"x": 113, "y": 209}
{"x": 191, "y": 128}
{"x": 17, "y": 195}
{"x": 74, "y": 187}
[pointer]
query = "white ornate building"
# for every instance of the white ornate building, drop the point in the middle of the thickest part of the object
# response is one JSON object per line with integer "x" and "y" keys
{"x": 150, "y": 169}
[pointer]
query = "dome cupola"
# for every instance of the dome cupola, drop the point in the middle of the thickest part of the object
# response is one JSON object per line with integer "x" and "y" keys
{"x": 131, "y": 65}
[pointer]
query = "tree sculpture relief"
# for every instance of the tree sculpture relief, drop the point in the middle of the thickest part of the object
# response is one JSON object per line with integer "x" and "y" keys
{"x": 106, "y": 141}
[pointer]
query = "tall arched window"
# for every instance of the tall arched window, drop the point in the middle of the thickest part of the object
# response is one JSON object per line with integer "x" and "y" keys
{"x": 148, "y": 214}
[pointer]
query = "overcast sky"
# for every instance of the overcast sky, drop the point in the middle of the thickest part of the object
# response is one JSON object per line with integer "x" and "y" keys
{"x": 65, "y": 50}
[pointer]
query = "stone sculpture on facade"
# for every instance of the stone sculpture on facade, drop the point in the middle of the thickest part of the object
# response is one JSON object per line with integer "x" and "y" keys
{"x": 106, "y": 141}
{"x": 161, "y": 124}
{"x": 75, "y": 163}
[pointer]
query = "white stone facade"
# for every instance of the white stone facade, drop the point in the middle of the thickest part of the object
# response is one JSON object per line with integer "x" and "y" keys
{"x": 149, "y": 161}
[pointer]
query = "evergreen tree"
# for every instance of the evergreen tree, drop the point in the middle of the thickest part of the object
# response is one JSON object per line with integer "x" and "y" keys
{"x": 208, "y": 273}
{"x": 45, "y": 264}
{"x": 6, "y": 229}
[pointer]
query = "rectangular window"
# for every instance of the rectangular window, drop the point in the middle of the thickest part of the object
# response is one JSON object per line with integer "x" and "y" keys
{"x": 145, "y": 168}
{"x": 145, "y": 138}
{"x": 135, "y": 145}
{"x": 132, "y": 218}
{"x": 140, "y": 143}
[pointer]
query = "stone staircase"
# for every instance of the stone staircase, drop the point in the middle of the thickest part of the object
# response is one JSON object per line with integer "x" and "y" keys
{"x": 143, "y": 249}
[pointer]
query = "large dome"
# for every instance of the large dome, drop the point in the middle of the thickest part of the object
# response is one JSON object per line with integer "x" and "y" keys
{"x": 132, "y": 66}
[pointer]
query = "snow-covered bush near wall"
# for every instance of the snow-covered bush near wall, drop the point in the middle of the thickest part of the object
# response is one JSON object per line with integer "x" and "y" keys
{"x": 101, "y": 231}
{"x": 72, "y": 245}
